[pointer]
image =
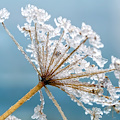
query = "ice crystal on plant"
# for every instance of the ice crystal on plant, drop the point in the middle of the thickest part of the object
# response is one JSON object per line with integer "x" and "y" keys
{"x": 96, "y": 114}
{"x": 12, "y": 117}
{"x": 115, "y": 65}
{"x": 59, "y": 56}
{"x": 4, "y": 14}
{"x": 32, "y": 13}
{"x": 94, "y": 39}
{"x": 38, "y": 111}
{"x": 38, "y": 115}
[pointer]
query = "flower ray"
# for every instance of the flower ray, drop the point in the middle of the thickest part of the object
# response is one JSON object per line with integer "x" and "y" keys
{"x": 55, "y": 103}
{"x": 21, "y": 49}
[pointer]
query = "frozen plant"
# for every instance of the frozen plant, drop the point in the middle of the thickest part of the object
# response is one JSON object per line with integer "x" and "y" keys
{"x": 63, "y": 63}
{"x": 11, "y": 117}
{"x": 4, "y": 14}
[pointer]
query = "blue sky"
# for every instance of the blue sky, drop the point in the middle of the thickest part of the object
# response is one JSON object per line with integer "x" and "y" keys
{"x": 17, "y": 76}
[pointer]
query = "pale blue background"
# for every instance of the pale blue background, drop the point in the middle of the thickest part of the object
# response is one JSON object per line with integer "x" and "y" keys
{"x": 17, "y": 76}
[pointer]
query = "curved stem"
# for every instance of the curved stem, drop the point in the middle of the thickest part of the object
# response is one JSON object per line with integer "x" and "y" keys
{"x": 21, "y": 49}
{"x": 21, "y": 101}
{"x": 52, "y": 58}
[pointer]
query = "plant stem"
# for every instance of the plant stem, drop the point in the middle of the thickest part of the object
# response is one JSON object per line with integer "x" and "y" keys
{"x": 21, "y": 101}
{"x": 21, "y": 49}
{"x": 55, "y": 103}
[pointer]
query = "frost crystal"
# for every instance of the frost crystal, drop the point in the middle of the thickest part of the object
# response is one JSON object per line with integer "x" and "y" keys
{"x": 11, "y": 117}
{"x": 38, "y": 115}
{"x": 4, "y": 14}
{"x": 38, "y": 111}
{"x": 96, "y": 113}
{"x": 32, "y": 13}
{"x": 115, "y": 65}
{"x": 94, "y": 39}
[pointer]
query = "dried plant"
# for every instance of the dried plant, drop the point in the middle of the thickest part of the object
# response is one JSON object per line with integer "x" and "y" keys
{"x": 62, "y": 57}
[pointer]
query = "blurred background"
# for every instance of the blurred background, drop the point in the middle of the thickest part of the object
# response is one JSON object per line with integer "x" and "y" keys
{"x": 17, "y": 76}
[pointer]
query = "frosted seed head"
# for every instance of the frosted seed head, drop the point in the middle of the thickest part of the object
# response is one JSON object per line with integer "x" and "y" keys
{"x": 32, "y": 13}
{"x": 4, "y": 14}
{"x": 58, "y": 56}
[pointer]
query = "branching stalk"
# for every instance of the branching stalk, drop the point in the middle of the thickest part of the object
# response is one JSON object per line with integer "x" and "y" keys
{"x": 59, "y": 59}
{"x": 76, "y": 100}
{"x": 64, "y": 60}
{"x": 68, "y": 66}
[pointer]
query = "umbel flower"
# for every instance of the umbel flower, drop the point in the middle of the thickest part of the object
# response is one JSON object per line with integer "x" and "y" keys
{"x": 63, "y": 57}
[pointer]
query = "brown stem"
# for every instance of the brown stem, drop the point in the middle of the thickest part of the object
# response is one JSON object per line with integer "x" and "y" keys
{"x": 52, "y": 58}
{"x": 85, "y": 74}
{"x": 38, "y": 51}
{"x": 55, "y": 103}
{"x": 21, "y": 101}
{"x": 46, "y": 52}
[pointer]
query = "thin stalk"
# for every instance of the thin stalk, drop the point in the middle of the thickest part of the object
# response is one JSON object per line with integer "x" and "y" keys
{"x": 36, "y": 34}
{"x": 55, "y": 103}
{"x": 64, "y": 60}
{"x": 42, "y": 102}
{"x": 85, "y": 74}
{"x": 75, "y": 100}
{"x": 43, "y": 57}
{"x": 38, "y": 50}
{"x": 72, "y": 83}
{"x": 30, "y": 35}
{"x": 46, "y": 52}
{"x": 92, "y": 91}
{"x": 52, "y": 58}
{"x": 80, "y": 87}
{"x": 40, "y": 60}
{"x": 21, "y": 49}
{"x": 107, "y": 97}
{"x": 21, "y": 101}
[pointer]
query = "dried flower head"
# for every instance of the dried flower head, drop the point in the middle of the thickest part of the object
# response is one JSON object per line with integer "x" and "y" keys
{"x": 60, "y": 57}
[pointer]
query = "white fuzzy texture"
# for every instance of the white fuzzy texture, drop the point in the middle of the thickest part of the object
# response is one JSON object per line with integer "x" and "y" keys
{"x": 12, "y": 117}
{"x": 4, "y": 14}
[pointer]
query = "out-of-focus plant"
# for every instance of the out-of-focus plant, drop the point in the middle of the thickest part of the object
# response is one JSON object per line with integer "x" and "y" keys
{"x": 61, "y": 58}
